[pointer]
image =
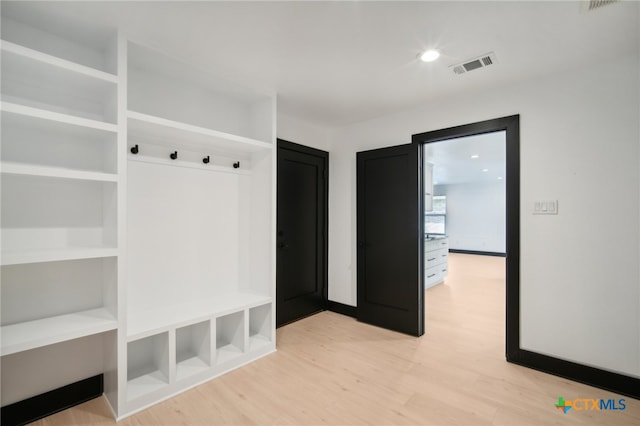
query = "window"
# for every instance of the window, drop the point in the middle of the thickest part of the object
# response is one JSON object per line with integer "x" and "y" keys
{"x": 435, "y": 221}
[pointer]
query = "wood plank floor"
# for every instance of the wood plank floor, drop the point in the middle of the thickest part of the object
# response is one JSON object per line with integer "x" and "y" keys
{"x": 330, "y": 369}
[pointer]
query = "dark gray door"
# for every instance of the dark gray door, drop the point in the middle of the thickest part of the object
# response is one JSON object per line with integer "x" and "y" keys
{"x": 389, "y": 245}
{"x": 301, "y": 271}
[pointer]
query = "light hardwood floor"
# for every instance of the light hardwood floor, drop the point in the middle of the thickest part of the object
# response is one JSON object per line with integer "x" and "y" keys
{"x": 330, "y": 369}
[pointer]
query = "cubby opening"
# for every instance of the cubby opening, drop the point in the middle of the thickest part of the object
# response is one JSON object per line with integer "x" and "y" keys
{"x": 147, "y": 365}
{"x": 260, "y": 326}
{"x": 193, "y": 349}
{"x": 32, "y": 141}
{"x": 229, "y": 336}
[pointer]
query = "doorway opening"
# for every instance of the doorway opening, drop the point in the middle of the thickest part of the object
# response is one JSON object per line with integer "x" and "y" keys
{"x": 391, "y": 228}
{"x": 464, "y": 200}
{"x": 502, "y": 129}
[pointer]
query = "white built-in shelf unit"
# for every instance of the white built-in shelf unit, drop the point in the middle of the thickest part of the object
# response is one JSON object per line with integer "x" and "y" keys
{"x": 193, "y": 286}
{"x": 138, "y": 216}
{"x": 60, "y": 178}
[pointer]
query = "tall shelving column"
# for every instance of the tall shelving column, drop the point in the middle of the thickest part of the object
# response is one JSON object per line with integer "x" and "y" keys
{"x": 200, "y": 226}
{"x": 61, "y": 181}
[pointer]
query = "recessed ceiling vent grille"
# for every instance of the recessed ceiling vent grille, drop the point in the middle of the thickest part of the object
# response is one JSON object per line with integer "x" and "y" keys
{"x": 595, "y": 4}
{"x": 475, "y": 63}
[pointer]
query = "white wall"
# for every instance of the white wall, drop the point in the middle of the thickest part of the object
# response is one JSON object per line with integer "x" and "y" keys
{"x": 302, "y": 132}
{"x": 475, "y": 215}
{"x": 580, "y": 133}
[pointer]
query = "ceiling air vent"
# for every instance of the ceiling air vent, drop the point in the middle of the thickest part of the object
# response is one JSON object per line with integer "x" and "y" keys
{"x": 595, "y": 4}
{"x": 475, "y": 63}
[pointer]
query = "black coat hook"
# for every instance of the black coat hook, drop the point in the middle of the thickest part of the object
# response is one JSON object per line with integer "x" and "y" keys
{"x": 134, "y": 149}
{"x": 236, "y": 165}
{"x": 174, "y": 155}
{"x": 206, "y": 160}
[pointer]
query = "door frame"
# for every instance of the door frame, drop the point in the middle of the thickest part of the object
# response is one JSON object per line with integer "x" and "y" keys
{"x": 615, "y": 382}
{"x": 511, "y": 126}
{"x": 295, "y": 147}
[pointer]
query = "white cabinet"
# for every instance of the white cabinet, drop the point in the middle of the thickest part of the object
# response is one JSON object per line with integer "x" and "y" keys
{"x": 436, "y": 260}
{"x": 60, "y": 193}
{"x": 138, "y": 216}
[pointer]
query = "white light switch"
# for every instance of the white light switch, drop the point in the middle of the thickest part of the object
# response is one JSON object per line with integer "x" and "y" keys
{"x": 545, "y": 207}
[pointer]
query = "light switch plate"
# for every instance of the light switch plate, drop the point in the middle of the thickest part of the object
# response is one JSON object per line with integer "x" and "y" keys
{"x": 545, "y": 207}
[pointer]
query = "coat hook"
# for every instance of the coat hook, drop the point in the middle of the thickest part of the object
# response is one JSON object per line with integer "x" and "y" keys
{"x": 206, "y": 160}
{"x": 236, "y": 164}
{"x": 134, "y": 149}
{"x": 174, "y": 155}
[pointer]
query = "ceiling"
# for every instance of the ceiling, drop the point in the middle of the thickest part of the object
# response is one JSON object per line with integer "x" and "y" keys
{"x": 336, "y": 63}
{"x": 471, "y": 159}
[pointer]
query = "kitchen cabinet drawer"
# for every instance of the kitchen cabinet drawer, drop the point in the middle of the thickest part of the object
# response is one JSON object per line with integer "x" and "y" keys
{"x": 435, "y": 273}
{"x": 435, "y": 257}
{"x": 433, "y": 276}
{"x": 436, "y": 261}
{"x": 436, "y": 244}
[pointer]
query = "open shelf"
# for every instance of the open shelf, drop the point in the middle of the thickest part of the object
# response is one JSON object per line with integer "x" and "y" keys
{"x": 31, "y": 82}
{"x": 216, "y": 108}
{"x": 147, "y": 365}
{"x": 193, "y": 349}
{"x": 56, "y": 172}
{"x": 144, "y": 128}
{"x": 44, "y": 114}
{"x": 229, "y": 337}
{"x": 33, "y": 140}
{"x": 46, "y": 218}
{"x": 148, "y": 322}
{"x": 85, "y": 49}
{"x": 33, "y": 334}
{"x": 22, "y": 256}
{"x": 36, "y": 57}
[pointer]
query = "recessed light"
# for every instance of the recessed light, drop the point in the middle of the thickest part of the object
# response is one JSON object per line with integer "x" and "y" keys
{"x": 485, "y": 170}
{"x": 499, "y": 177}
{"x": 475, "y": 156}
{"x": 429, "y": 55}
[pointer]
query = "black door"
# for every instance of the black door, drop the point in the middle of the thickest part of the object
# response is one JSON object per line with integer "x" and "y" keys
{"x": 389, "y": 245}
{"x": 301, "y": 271}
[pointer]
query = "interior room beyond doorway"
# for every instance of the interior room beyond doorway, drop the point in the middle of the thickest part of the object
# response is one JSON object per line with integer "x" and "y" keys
{"x": 465, "y": 200}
